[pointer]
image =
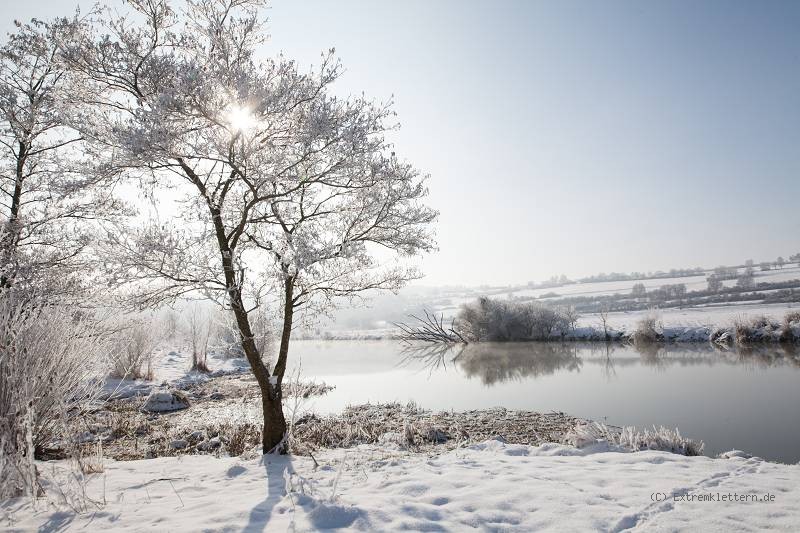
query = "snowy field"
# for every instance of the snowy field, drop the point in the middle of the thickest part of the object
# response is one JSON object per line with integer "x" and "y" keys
{"x": 712, "y": 316}
{"x": 691, "y": 324}
{"x": 693, "y": 283}
{"x": 382, "y": 311}
{"x": 491, "y": 486}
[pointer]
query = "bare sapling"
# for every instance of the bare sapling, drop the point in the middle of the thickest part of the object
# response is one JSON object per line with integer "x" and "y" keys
{"x": 132, "y": 354}
{"x": 603, "y": 314}
{"x": 199, "y": 334}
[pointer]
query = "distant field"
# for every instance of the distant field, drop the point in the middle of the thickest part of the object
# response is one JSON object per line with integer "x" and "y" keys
{"x": 692, "y": 283}
{"x": 446, "y": 302}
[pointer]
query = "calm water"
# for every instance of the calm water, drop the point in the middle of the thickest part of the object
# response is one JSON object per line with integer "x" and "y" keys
{"x": 734, "y": 399}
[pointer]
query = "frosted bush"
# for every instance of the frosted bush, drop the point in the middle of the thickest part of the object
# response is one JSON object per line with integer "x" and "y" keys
{"x": 50, "y": 365}
{"x": 632, "y": 439}
{"x": 501, "y": 321}
{"x": 648, "y": 330}
{"x": 199, "y": 334}
{"x": 132, "y": 354}
{"x": 758, "y": 328}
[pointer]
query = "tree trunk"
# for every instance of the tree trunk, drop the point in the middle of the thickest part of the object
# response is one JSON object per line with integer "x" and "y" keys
{"x": 274, "y": 430}
{"x": 274, "y": 433}
{"x": 286, "y": 333}
{"x": 10, "y": 239}
{"x": 273, "y": 413}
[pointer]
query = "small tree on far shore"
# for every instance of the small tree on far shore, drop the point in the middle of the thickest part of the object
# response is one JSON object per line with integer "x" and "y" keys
{"x": 638, "y": 290}
{"x": 603, "y": 314}
{"x": 714, "y": 283}
{"x": 745, "y": 281}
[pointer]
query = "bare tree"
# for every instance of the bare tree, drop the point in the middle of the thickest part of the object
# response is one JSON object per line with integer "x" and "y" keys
{"x": 199, "y": 333}
{"x": 780, "y": 262}
{"x": 180, "y": 101}
{"x": 603, "y": 314}
{"x": 679, "y": 292}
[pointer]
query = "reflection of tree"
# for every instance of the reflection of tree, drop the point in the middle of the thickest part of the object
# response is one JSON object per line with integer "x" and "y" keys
{"x": 499, "y": 362}
{"x": 430, "y": 357}
{"x": 755, "y": 355}
{"x": 764, "y": 355}
{"x": 651, "y": 354}
{"x": 608, "y": 365}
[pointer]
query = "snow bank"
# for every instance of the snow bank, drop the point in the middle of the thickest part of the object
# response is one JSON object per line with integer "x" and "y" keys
{"x": 489, "y": 486}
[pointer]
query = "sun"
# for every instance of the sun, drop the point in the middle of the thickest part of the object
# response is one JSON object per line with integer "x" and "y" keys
{"x": 240, "y": 118}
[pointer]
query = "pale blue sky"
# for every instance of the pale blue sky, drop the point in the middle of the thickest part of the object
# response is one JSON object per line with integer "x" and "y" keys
{"x": 575, "y": 137}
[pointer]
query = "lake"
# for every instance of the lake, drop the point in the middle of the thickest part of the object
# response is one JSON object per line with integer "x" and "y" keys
{"x": 747, "y": 400}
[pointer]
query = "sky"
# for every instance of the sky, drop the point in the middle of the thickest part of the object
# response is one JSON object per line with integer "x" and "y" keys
{"x": 573, "y": 137}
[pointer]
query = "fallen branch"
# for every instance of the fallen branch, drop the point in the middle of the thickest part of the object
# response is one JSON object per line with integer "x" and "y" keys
{"x": 429, "y": 329}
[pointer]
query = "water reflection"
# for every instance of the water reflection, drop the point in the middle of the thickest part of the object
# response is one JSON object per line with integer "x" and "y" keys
{"x": 495, "y": 363}
{"x": 730, "y": 398}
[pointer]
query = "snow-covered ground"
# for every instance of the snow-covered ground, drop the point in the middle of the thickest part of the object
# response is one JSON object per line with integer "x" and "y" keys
{"x": 711, "y": 316}
{"x": 491, "y": 486}
{"x": 172, "y": 361}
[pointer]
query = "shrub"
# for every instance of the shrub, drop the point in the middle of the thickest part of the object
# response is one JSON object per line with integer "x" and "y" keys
{"x": 758, "y": 328}
{"x": 501, "y": 321}
{"x": 742, "y": 332}
{"x": 170, "y": 321}
{"x": 791, "y": 317}
{"x": 199, "y": 333}
{"x": 632, "y": 439}
{"x": 648, "y": 330}
{"x": 132, "y": 354}
{"x": 791, "y": 321}
{"x": 50, "y": 365}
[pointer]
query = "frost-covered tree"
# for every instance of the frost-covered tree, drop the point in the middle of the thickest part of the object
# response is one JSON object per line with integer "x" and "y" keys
{"x": 638, "y": 290}
{"x": 746, "y": 280}
{"x": 714, "y": 283}
{"x": 181, "y": 102}
{"x": 323, "y": 237}
{"x": 50, "y": 194}
{"x": 780, "y": 262}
